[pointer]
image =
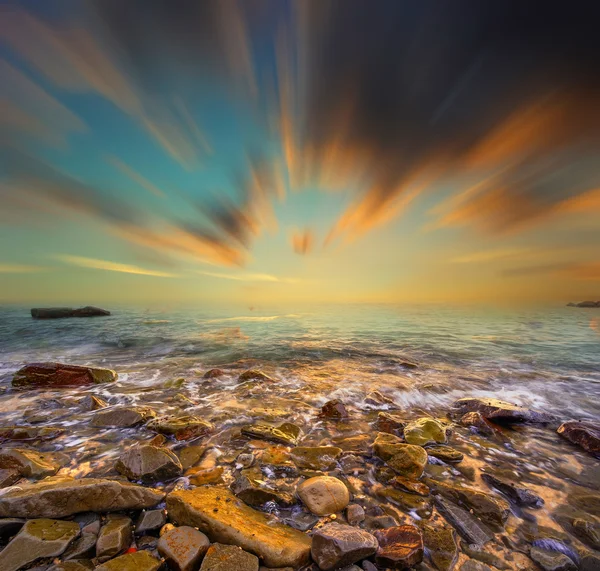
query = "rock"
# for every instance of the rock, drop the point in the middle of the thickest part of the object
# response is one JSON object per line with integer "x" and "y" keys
{"x": 28, "y": 462}
{"x": 316, "y": 457}
{"x": 221, "y": 557}
{"x": 405, "y": 459}
{"x": 50, "y": 375}
{"x": 9, "y": 526}
{"x": 424, "y": 431}
{"x": 149, "y": 464}
{"x": 361, "y": 443}
{"x": 375, "y": 398}
{"x": 181, "y": 427}
{"x": 92, "y": 402}
{"x": 389, "y": 423}
{"x": 150, "y": 520}
{"x": 469, "y": 527}
{"x": 190, "y": 455}
{"x": 252, "y": 489}
{"x": 30, "y": 432}
{"x": 441, "y": 545}
{"x": 183, "y": 548}
{"x": 254, "y": 375}
{"x": 89, "y": 522}
{"x": 115, "y": 537}
{"x": 244, "y": 460}
{"x": 61, "y": 497}
{"x": 138, "y": 561}
{"x": 201, "y": 476}
{"x": 400, "y": 547}
{"x": 500, "y": 411}
{"x": 61, "y": 312}
{"x": 355, "y": 514}
{"x": 38, "y": 538}
{"x": 148, "y": 542}
{"x": 409, "y": 485}
{"x": 324, "y": 495}
{"x": 481, "y": 554}
{"x": 334, "y": 409}
{"x": 479, "y": 423}
{"x": 122, "y": 416}
{"x": 79, "y": 565}
{"x": 521, "y": 496}
{"x": 225, "y": 519}
{"x": 584, "y": 433}
{"x": 588, "y": 304}
{"x": 286, "y": 433}
{"x": 589, "y": 562}
{"x": 82, "y": 548}
{"x": 472, "y": 565}
{"x": 213, "y": 374}
{"x": 552, "y": 560}
{"x": 335, "y": 545}
{"x": 584, "y": 526}
{"x": 445, "y": 453}
{"x": 408, "y": 502}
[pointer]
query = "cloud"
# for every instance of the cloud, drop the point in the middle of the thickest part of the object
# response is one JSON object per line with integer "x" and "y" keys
{"x": 589, "y": 271}
{"x": 95, "y": 264}
{"x": 303, "y": 241}
{"x": 136, "y": 177}
{"x": 493, "y": 255}
{"x": 247, "y": 277}
{"x": 20, "y": 269}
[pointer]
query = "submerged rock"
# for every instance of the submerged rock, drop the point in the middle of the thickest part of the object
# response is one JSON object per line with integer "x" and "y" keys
{"x": 316, "y": 457}
{"x": 378, "y": 399}
{"x": 424, "y": 431}
{"x": 400, "y": 547}
{"x": 60, "y": 375}
{"x": 521, "y": 496}
{"x": 469, "y": 527}
{"x": 181, "y": 427}
{"x": 62, "y": 312}
{"x": 8, "y": 476}
{"x": 213, "y": 374}
{"x": 500, "y": 411}
{"x": 552, "y": 560}
{"x": 251, "y": 488}
{"x": 582, "y": 525}
{"x": 286, "y": 433}
{"x": 584, "y": 433}
{"x": 422, "y": 506}
{"x": 30, "y": 432}
{"x": 445, "y": 453}
{"x": 477, "y": 421}
{"x": 138, "y": 561}
{"x": 115, "y": 536}
{"x": 324, "y": 495}
{"x": 336, "y": 545}
{"x": 334, "y": 409}
{"x": 61, "y": 497}
{"x": 221, "y": 557}
{"x": 28, "y": 462}
{"x": 389, "y": 423}
{"x": 441, "y": 546}
{"x": 409, "y": 485}
{"x": 149, "y": 464}
{"x": 183, "y": 548}
{"x": 405, "y": 459}
{"x": 254, "y": 375}
{"x": 225, "y": 519}
{"x": 122, "y": 416}
{"x": 92, "y": 402}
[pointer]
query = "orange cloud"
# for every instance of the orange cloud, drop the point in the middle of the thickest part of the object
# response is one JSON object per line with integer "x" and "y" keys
{"x": 303, "y": 241}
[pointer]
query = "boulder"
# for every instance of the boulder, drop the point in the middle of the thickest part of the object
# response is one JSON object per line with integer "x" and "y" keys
{"x": 28, "y": 462}
{"x": 324, "y": 495}
{"x": 115, "y": 536}
{"x": 149, "y": 464}
{"x": 225, "y": 519}
{"x": 286, "y": 433}
{"x": 400, "y": 547}
{"x": 221, "y": 557}
{"x": 183, "y": 548}
{"x": 440, "y": 543}
{"x": 62, "y": 312}
{"x": 181, "y": 427}
{"x": 334, "y": 410}
{"x": 405, "y": 459}
{"x": 122, "y": 416}
{"x": 30, "y": 432}
{"x": 254, "y": 375}
{"x": 251, "y": 487}
{"x": 500, "y": 411}
{"x": 445, "y": 453}
{"x": 316, "y": 457}
{"x": 476, "y": 421}
{"x": 469, "y": 527}
{"x": 521, "y": 496}
{"x": 61, "y": 497}
{"x": 150, "y": 520}
{"x": 51, "y": 375}
{"x": 138, "y": 561}
{"x": 336, "y": 545}
{"x": 38, "y": 538}
{"x": 390, "y": 423}
{"x": 584, "y": 433}
{"x": 424, "y": 431}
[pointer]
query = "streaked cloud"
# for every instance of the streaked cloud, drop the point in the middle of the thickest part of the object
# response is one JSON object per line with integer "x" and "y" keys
{"x": 136, "y": 177}
{"x": 303, "y": 241}
{"x": 247, "y": 277}
{"x": 493, "y": 255}
{"x": 95, "y": 264}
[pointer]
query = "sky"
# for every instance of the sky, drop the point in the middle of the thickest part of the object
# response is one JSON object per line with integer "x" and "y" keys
{"x": 261, "y": 151}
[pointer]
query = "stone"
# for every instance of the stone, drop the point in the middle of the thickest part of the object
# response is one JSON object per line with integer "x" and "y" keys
{"x": 472, "y": 565}
{"x": 138, "y": 561}
{"x": 51, "y": 375}
{"x": 147, "y": 542}
{"x": 213, "y": 374}
{"x": 389, "y": 423}
{"x": 190, "y": 455}
{"x": 122, "y": 416}
{"x": 75, "y": 565}
{"x": 38, "y": 538}
{"x": 582, "y": 525}
{"x": 323, "y": 495}
{"x": 254, "y": 375}
{"x": 405, "y": 459}
{"x": 355, "y": 514}
{"x": 10, "y": 525}
{"x": 358, "y": 444}
{"x": 521, "y": 496}
{"x": 316, "y": 457}
{"x": 409, "y": 485}
{"x": 150, "y": 520}
{"x": 584, "y": 433}
{"x": 475, "y": 420}
{"x": 149, "y": 464}
{"x": 61, "y": 497}
{"x": 28, "y": 463}
{"x": 251, "y": 487}
{"x": 424, "y": 431}
{"x": 336, "y": 545}
{"x": 183, "y": 548}
{"x": 552, "y": 560}
{"x": 589, "y": 562}
{"x": 588, "y": 304}
{"x": 334, "y": 410}
{"x": 286, "y": 433}
{"x": 115, "y": 537}
{"x": 500, "y": 411}
{"x": 181, "y": 427}
{"x": 89, "y": 522}
{"x": 408, "y": 502}
{"x": 440, "y": 543}
{"x": 375, "y": 398}
{"x": 225, "y": 519}
{"x": 467, "y": 525}
{"x": 221, "y": 557}
{"x": 199, "y": 476}
{"x": 92, "y": 402}
{"x": 480, "y": 553}
{"x": 30, "y": 432}
{"x": 400, "y": 547}
{"x": 445, "y": 453}
{"x": 82, "y": 548}
{"x": 62, "y": 312}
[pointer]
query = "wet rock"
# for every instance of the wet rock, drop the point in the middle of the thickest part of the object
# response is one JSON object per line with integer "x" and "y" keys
{"x": 405, "y": 459}
{"x": 79, "y": 565}
{"x": 521, "y": 496}
{"x": 122, "y": 416}
{"x": 334, "y": 410}
{"x": 588, "y": 304}
{"x": 115, "y": 536}
{"x": 355, "y": 514}
{"x": 500, "y": 411}
{"x": 10, "y": 525}
{"x": 62, "y": 312}
{"x": 469, "y": 527}
{"x": 552, "y": 560}
{"x": 49, "y": 375}
{"x": 472, "y": 565}
{"x": 589, "y": 503}
{"x": 224, "y": 518}
{"x": 254, "y": 375}
{"x": 61, "y": 497}
{"x": 28, "y": 462}
{"x": 38, "y": 538}
{"x": 181, "y": 427}
{"x": 409, "y": 485}
{"x": 424, "y": 431}
{"x": 92, "y": 402}
{"x": 373, "y": 522}
{"x": 389, "y": 423}
{"x": 251, "y": 487}
{"x": 149, "y": 464}
{"x": 183, "y": 548}
{"x": 375, "y": 398}
{"x": 190, "y": 455}
{"x": 244, "y": 460}
{"x": 150, "y": 520}
{"x": 358, "y": 444}
{"x": 336, "y": 545}
{"x": 400, "y": 547}
{"x": 89, "y": 522}
{"x": 316, "y": 457}
{"x": 82, "y": 548}
{"x": 477, "y": 421}
{"x": 201, "y": 476}
{"x": 221, "y": 557}
{"x": 286, "y": 433}
{"x": 582, "y": 525}
{"x": 584, "y": 433}
{"x": 441, "y": 546}
{"x": 589, "y": 562}
{"x": 324, "y": 495}
{"x": 148, "y": 542}
{"x": 138, "y": 561}
{"x": 407, "y": 501}
{"x": 213, "y": 374}
{"x": 479, "y": 552}
{"x": 29, "y": 433}
{"x": 445, "y": 453}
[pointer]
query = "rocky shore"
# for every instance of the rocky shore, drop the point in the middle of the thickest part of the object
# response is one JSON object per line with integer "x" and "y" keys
{"x": 62, "y": 312}
{"x": 477, "y": 486}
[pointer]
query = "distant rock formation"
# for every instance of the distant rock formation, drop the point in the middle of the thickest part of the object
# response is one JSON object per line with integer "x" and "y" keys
{"x": 584, "y": 304}
{"x": 60, "y": 312}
